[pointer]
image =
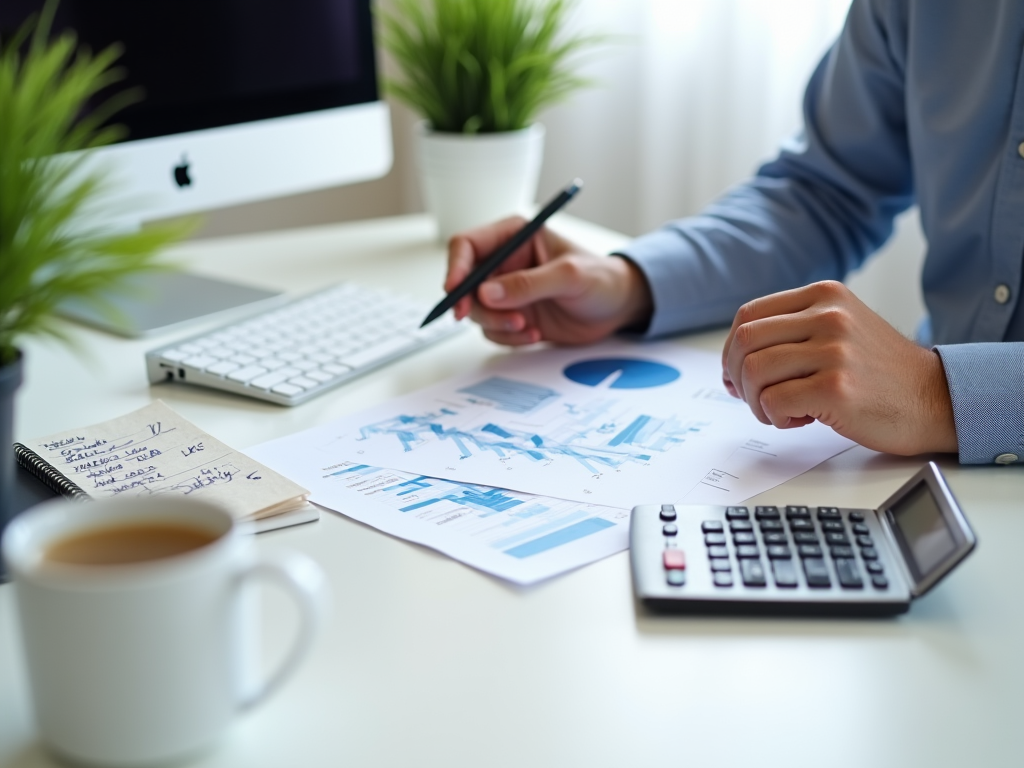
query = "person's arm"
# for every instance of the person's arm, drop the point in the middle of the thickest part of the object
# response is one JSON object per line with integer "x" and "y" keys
{"x": 815, "y": 212}
{"x": 986, "y": 385}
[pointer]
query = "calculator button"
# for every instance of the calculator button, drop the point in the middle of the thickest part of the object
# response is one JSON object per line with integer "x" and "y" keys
{"x": 744, "y": 537}
{"x": 741, "y": 525}
{"x": 668, "y": 513}
{"x": 829, "y": 513}
{"x": 839, "y": 552}
{"x": 714, "y": 539}
{"x": 801, "y": 525}
{"x": 879, "y": 581}
{"x": 809, "y": 550}
{"x": 717, "y": 552}
{"x": 774, "y": 538}
{"x": 712, "y": 526}
{"x": 737, "y": 513}
{"x": 865, "y": 541}
{"x": 837, "y": 538}
{"x": 817, "y": 573}
{"x": 784, "y": 572}
{"x": 873, "y": 566}
{"x": 771, "y": 525}
{"x": 860, "y": 529}
{"x": 834, "y": 526}
{"x": 805, "y": 538}
{"x": 766, "y": 513}
{"x": 674, "y": 559}
{"x": 752, "y": 573}
{"x": 722, "y": 579}
{"x": 720, "y": 565}
{"x": 670, "y": 529}
{"x": 869, "y": 553}
{"x": 779, "y": 552}
{"x": 747, "y": 551}
{"x": 849, "y": 575}
{"x": 792, "y": 513}
{"x": 676, "y": 578}
{"x": 856, "y": 517}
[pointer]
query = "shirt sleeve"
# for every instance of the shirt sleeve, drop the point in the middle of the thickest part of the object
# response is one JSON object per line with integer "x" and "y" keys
{"x": 816, "y": 211}
{"x": 986, "y": 385}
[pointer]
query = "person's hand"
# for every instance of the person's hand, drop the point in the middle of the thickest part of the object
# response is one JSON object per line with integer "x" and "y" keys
{"x": 819, "y": 354}
{"x": 548, "y": 290}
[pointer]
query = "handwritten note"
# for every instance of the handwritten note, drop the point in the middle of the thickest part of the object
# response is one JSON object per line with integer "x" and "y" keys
{"x": 155, "y": 451}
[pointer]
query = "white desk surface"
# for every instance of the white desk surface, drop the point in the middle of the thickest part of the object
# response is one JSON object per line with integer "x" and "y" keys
{"x": 429, "y": 663}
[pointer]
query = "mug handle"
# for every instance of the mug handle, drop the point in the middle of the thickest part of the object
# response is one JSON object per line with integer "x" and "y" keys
{"x": 302, "y": 578}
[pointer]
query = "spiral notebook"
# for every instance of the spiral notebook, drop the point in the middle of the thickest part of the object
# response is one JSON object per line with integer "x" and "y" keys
{"x": 156, "y": 451}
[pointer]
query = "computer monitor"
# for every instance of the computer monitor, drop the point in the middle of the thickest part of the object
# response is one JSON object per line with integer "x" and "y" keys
{"x": 243, "y": 99}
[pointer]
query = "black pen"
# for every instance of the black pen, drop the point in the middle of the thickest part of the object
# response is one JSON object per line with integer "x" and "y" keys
{"x": 492, "y": 262}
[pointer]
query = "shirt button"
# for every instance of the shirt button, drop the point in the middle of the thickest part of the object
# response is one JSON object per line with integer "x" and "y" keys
{"x": 1006, "y": 458}
{"x": 1020, "y": 149}
{"x": 1002, "y": 293}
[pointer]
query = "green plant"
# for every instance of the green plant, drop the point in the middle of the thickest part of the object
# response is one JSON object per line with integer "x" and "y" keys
{"x": 53, "y": 243}
{"x": 482, "y": 66}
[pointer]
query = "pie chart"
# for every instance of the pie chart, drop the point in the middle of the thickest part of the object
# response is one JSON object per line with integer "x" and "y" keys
{"x": 625, "y": 372}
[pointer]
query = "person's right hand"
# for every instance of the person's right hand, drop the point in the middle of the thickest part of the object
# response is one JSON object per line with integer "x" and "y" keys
{"x": 548, "y": 290}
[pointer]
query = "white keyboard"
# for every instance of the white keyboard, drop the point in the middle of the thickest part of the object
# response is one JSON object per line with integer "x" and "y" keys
{"x": 304, "y": 348}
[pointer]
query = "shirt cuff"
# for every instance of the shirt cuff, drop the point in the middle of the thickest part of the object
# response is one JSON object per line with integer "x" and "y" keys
{"x": 986, "y": 385}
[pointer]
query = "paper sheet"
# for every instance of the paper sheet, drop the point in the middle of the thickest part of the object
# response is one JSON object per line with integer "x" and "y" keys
{"x": 154, "y": 450}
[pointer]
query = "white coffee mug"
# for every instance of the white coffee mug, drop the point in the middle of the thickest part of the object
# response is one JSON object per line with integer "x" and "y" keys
{"x": 141, "y": 663}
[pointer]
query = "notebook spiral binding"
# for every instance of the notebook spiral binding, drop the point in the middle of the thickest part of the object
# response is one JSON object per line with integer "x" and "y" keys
{"x": 43, "y": 471}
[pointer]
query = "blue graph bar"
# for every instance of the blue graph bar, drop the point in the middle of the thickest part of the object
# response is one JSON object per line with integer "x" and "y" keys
{"x": 629, "y": 433}
{"x": 558, "y": 538}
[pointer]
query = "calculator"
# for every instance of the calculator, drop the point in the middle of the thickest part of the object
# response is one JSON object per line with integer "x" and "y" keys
{"x": 799, "y": 560}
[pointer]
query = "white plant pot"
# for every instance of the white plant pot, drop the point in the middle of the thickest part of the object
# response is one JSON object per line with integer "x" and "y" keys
{"x": 469, "y": 180}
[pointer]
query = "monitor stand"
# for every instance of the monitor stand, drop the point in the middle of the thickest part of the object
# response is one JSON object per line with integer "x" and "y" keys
{"x": 160, "y": 302}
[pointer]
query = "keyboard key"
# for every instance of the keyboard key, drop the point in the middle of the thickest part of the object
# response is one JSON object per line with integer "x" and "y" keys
{"x": 775, "y": 538}
{"x": 377, "y": 352}
{"x": 247, "y": 373}
{"x": 335, "y": 369}
{"x": 856, "y": 517}
{"x": 879, "y": 582}
{"x": 270, "y": 380}
{"x": 675, "y": 578}
{"x": 288, "y": 390}
{"x": 744, "y": 537}
{"x": 737, "y": 513}
{"x": 320, "y": 376}
{"x": 779, "y": 552}
{"x": 741, "y": 525}
{"x": 670, "y": 529}
{"x": 797, "y": 512}
{"x": 714, "y": 539}
{"x": 722, "y": 579}
{"x": 712, "y": 526}
{"x": 848, "y": 573}
{"x": 841, "y": 552}
{"x": 805, "y": 538}
{"x": 771, "y": 525}
{"x": 243, "y": 359}
{"x": 860, "y": 529}
{"x": 746, "y": 551}
{"x": 869, "y": 553}
{"x": 192, "y": 349}
{"x": 837, "y": 538}
{"x": 873, "y": 566}
{"x": 175, "y": 355}
{"x": 273, "y": 363}
{"x": 720, "y": 565}
{"x": 801, "y": 525}
{"x": 835, "y": 526}
{"x": 223, "y": 368}
{"x": 718, "y": 552}
{"x": 302, "y": 381}
{"x": 752, "y": 573}
{"x": 668, "y": 513}
{"x": 809, "y": 550}
{"x": 865, "y": 541}
{"x": 305, "y": 365}
{"x": 674, "y": 559}
{"x": 816, "y": 573}
{"x": 199, "y": 361}
{"x": 766, "y": 513}
{"x": 321, "y": 358}
{"x": 829, "y": 513}
{"x": 784, "y": 572}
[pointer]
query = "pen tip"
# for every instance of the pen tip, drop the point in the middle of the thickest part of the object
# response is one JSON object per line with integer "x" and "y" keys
{"x": 577, "y": 183}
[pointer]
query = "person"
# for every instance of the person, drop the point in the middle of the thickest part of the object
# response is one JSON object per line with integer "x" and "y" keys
{"x": 917, "y": 101}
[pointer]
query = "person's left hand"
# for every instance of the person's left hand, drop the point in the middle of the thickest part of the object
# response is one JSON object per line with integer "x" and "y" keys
{"x": 817, "y": 353}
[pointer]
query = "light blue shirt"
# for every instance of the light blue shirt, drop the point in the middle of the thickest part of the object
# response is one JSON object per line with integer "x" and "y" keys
{"x": 917, "y": 101}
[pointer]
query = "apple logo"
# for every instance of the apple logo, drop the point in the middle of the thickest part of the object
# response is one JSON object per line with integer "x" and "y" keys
{"x": 181, "y": 177}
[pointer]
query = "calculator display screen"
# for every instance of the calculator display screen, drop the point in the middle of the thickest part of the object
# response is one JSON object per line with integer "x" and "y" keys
{"x": 923, "y": 528}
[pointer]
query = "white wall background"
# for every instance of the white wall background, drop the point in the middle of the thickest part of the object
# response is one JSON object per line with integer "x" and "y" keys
{"x": 690, "y": 97}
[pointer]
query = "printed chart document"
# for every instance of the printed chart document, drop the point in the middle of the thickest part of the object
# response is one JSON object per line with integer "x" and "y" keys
{"x": 614, "y": 425}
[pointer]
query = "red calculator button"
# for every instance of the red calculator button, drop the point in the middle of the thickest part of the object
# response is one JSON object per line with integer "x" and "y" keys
{"x": 674, "y": 559}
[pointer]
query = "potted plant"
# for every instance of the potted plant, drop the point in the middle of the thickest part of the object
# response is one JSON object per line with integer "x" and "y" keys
{"x": 478, "y": 72}
{"x": 54, "y": 245}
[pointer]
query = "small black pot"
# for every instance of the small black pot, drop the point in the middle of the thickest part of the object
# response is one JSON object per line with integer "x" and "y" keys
{"x": 10, "y": 380}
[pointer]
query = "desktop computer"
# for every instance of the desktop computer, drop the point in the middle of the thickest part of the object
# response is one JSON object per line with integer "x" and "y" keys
{"x": 242, "y": 101}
